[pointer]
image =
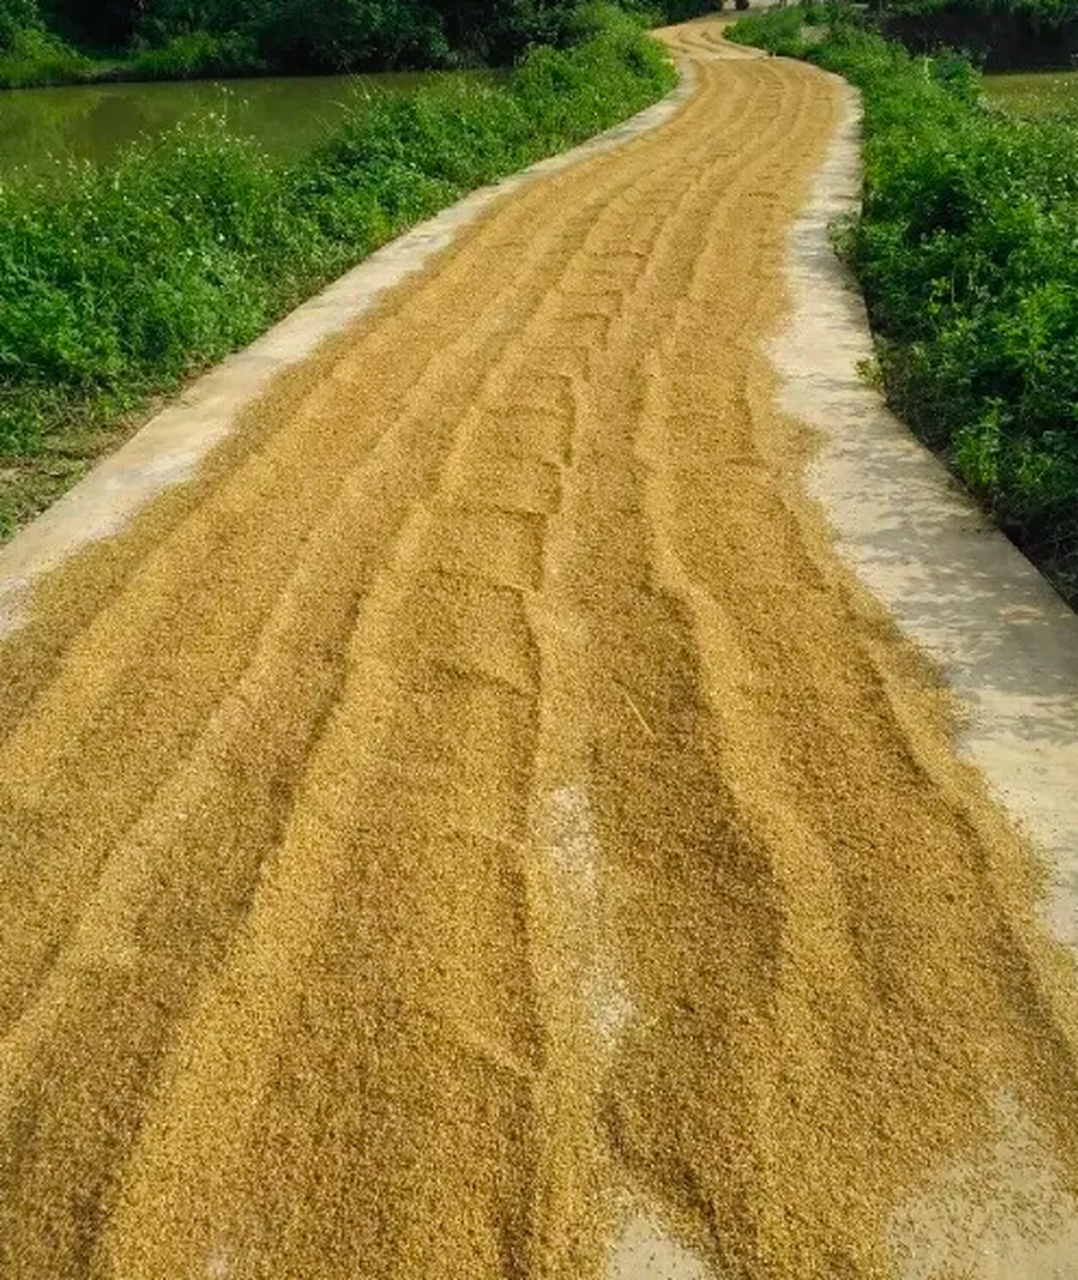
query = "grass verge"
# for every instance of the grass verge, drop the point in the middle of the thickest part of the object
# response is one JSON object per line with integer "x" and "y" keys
{"x": 132, "y": 278}
{"x": 965, "y": 251}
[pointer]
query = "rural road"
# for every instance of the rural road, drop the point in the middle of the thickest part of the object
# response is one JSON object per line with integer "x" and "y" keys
{"x": 479, "y": 830}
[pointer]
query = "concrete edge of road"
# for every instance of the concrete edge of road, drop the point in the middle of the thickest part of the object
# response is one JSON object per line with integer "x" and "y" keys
{"x": 167, "y": 451}
{"x": 1006, "y": 642}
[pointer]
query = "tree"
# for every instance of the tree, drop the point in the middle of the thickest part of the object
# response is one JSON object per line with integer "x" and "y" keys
{"x": 498, "y": 31}
{"x": 345, "y": 35}
{"x": 17, "y": 16}
{"x": 105, "y": 24}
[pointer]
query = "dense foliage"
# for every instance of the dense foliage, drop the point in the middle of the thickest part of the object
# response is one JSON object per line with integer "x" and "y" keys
{"x": 965, "y": 249}
{"x": 30, "y": 53}
{"x": 49, "y": 41}
{"x": 1045, "y": 12}
{"x": 17, "y": 16}
{"x": 317, "y": 35}
{"x": 997, "y": 33}
{"x": 132, "y": 277}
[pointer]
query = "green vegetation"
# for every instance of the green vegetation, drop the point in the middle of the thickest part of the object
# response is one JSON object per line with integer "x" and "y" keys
{"x": 31, "y": 54}
{"x": 965, "y": 250}
{"x": 46, "y": 133}
{"x": 53, "y": 42}
{"x": 996, "y": 33}
{"x": 1035, "y": 94}
{"x": 69, "y": 41}
{"x": 126, "y": 282}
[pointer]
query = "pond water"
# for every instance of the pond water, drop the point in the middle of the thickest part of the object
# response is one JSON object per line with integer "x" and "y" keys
{"x": 1035, "y": 93}
{"x": 39, "y": 127}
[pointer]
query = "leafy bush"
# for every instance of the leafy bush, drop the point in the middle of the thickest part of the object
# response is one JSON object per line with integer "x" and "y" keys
{"x": 36, "y": 57}
{"x": 198, "y": 54}
{"x": 158, "y": 39}
{"x": 131, "y": 277}
{"x": 322, "y": 35}
{"x": 347, "y": 35}
{"x": 780, "y": 31}
{"x": 16, "y": 16}
{"x": 965, "y": 250}
{"x": 998, "y": 33}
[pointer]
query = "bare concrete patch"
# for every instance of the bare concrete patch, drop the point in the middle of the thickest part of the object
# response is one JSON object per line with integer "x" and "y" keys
{"x": 645, "y": 1250}
{"x": 1018, "y": 1217}
{"x": 168, "y": 449}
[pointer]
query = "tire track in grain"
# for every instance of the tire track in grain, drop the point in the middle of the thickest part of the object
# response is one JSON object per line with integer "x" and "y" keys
{"x": 73, "y": 700}
{"x": 411, "y": 423}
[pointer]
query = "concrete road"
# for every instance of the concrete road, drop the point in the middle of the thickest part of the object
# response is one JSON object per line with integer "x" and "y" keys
{"x": 479, "y": 830}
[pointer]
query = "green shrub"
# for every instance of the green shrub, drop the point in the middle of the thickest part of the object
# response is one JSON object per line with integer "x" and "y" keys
{"x": 780, "y": 31}
{"x": 199, "y": 53}
{"x": 322, "y": 35}
{"x": 17, "y": 16}
{"x": 179, "y": 39}
{"x": 347, "y": 35}
{"x": 1001, "y": 34}
{"x": 965, "y": 250}
{"x": 36, "y": 57}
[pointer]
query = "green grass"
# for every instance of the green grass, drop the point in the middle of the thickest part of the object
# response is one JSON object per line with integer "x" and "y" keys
{"x": 966, "y": 252}
{"x": 133, "y": 277}
{"x": 1035, "y": 95}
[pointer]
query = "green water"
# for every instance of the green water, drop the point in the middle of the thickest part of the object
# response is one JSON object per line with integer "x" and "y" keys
{"x": 1035, "y": 93}
{"x": 41, "y": 128}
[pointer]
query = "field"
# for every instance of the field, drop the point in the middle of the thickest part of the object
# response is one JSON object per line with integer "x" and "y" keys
{"x": 1035, "y": 94}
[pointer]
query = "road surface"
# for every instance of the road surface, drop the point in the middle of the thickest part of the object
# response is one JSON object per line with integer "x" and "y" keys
{"x": 480, "y": 831}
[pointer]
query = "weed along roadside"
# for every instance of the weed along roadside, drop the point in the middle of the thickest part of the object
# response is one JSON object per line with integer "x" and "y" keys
{"x": 964, "y": 249}
{"x": 124, "y": 284}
